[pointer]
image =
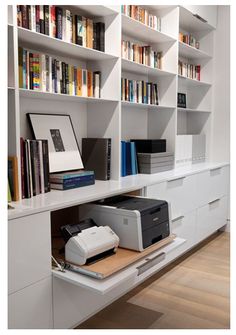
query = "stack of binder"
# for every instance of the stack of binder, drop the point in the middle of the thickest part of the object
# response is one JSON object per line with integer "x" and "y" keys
{"x": 155, "y": 162}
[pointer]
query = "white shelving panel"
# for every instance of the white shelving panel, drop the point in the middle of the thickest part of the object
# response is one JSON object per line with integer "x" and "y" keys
{"x": 145, "y": 106}
{"x": 192, "y": 110}
{"x": 190, "y": 52}
{"x": 134, "y": 67}
{"x": 193, "y": 82}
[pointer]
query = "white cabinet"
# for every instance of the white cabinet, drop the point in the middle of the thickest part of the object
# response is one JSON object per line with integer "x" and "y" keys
{"x": 207, "y": 13}
{"x": 179, "y": 191}
{"x": 31, "y": 307}
{"x": 210, "y": 218}
{"x": 212, "y": 184}
{"x": 29, "y": 250}
{"x": 184, "y": 227}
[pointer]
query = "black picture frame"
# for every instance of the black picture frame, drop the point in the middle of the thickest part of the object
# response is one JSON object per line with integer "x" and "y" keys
{"x": 181, "y": 100}
{"x": 64, "y": 151}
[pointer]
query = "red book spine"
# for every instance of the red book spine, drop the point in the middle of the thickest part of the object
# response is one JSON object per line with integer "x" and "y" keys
{"x": 53, "y": 20}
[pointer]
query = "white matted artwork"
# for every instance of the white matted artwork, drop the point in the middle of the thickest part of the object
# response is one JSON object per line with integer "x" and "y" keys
{"x": 64, "y": 154}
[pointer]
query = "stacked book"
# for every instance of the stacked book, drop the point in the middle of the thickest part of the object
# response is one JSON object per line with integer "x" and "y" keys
{"x": 189, "y": 39}
{"x": 155, "y": 162}
{"x": 189, "y": 70}
{"x": 34, "y": 167}
{"x": 129, "y": 164}
{"x": 44, "y": 73}
{"x": 141, "y": 54}
{"x": 59, "y": 22}
{"x": 190, "y": 149}
{"x": 73, "y": 179}
{"x": 139, "y": 91}
{"x": 142, "y": 15}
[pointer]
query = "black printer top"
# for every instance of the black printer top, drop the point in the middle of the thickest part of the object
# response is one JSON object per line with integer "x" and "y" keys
{"x": 143, "y": 205}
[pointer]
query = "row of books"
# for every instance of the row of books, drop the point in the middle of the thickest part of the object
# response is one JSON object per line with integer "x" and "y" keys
{"x": 71, "y": 179}
{"x": 189, "y": 39}
{"x": 34, "y": 167}
{"x": 60, "y": 23}
{"x": 44, "y": 73}
{"x": 142, "y": 15}
{"x": 141, "y": 54}
{"x": 139, "y": 91}
{"x": 129, "y": 164}
{"x": 189, "y": 70}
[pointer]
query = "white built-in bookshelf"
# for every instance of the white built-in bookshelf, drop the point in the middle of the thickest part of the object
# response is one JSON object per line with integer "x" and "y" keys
{"x": 109, "y": 116}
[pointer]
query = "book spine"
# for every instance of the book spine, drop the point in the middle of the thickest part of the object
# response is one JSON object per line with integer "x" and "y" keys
{"x": 37, "y": 15}
{"x": 41, "y": 19}
{"x": 41, "y": 167}
{"x": 89, "y": 33}
{"x": 109, "y": 159}
{"x": 46, "y": 165}
{"x": 25, "y": 23}
{"x": 80, "y": 38}
{"x": 52, "y": 21}
{"x": 29, "y": 17}
{"x": 75, "y": 185}
{"x": 43, "y": 73}
{"x": 90, "y": 83}
{"x": 59, "y": 23}
{"x": 24, "y": 69}
{"x": 33, "y": 18}
{"x": 20, "y": 67}
{"x": 79, "y": 82}
{"x": 37, "y": 167}
{"x": 84, "y": 83}
{"x": 19, "y": 16}
{"x": 67, "y": 78}
{"x": 84, "y": 27}
{"x": 22, "y": 165}
{"x": 95, "y": 36}
{"x": 32, "y": 167}
{"x": 73, "y": 180}
{"x": 46, "y": 19}
{"x": 58, "y": 68}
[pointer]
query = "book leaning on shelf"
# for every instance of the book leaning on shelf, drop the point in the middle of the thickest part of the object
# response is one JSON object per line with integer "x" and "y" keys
{"x": 142, "y": 15}
{"x": 139, "y": 91}
{"x": 61, "y": 23}
{"x": 44, "y": 73}
{"x": 141, "y": 54}
{"x": 34, "y": 167}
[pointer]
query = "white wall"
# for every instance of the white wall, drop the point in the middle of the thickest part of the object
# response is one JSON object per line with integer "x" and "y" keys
{"x": 221, "y": 88}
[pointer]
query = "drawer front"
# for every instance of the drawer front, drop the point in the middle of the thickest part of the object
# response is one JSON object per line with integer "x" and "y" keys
{"x": 184, "y": 227}
{"x": 212, "y": 184}
{"x": 29, "y": 250}
{"x": 31, "y": 308}
{"x": 211, "y": 217}
{"x": 180, "y": 192}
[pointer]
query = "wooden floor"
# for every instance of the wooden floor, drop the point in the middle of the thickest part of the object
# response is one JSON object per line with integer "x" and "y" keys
{"x": 193, "y": 292}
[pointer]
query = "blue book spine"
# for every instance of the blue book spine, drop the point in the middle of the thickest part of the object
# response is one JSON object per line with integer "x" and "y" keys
{"x": 128, "y": 159}
{"x": 77, "y": 180}
{"x": 123, "y": 159}
{"x": 24, "y": 68}
{"x": 80, "y": 184}
{"x": 133, "y": 158}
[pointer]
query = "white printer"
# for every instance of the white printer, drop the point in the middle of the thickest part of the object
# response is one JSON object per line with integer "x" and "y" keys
{"x": 86, "y": 242}
{"x": 139, "y": 222}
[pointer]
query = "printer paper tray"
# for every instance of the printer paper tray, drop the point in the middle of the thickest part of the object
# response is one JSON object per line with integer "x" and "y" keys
{"x": 128, "y": 277}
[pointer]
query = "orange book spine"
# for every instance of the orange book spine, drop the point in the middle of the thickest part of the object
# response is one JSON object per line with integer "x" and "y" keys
{"x": 90, "y": 83}
{"x": 79, "y": 82}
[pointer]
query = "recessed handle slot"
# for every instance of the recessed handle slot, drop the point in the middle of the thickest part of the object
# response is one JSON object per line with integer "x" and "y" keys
{"x": 175, "y": 179}
{"x": 215, "y": 169}
{"x": 178, "y": 218}
{"x": 213, "y": 201}
{"x": 150, "y": 262}
{"x": 200, "y": 18}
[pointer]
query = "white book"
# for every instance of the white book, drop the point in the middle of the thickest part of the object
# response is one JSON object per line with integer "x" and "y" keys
{"x": 43, "y": 73}
{"x": 41, "y": 12}
{"x": 59, "y": 77}
{"x": 84, "y": 83}
{"x": 68, "y": 27}
{"x": 41, "y": 175}
{"x": 96, "y": 85}
{"x": 84, "y": 25}
{"x": 33, "y": 18}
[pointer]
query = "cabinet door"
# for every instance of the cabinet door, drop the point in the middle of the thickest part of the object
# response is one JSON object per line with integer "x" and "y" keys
{"x": 211, "y": 217}
{"x": 180, "y": 192}
{"x": 29, "y": 250}
{"x": 208, "y": 13}
{"x": 184, "y": 227}
{"x": 31, "y": 308}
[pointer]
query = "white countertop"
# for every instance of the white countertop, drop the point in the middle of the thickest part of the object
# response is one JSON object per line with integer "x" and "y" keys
{"x": 56, "y": 199}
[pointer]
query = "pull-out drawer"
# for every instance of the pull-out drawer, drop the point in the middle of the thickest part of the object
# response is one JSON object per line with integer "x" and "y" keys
{"x": 179, "y": 191}
{"x": 77, "y": 297}
{"x": 184, "y": 226}
{"x": 212, "y": 184}
{"x": 211, "y": 217}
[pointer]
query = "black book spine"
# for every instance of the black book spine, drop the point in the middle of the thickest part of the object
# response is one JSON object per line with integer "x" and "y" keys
{"x": 55, "y": 75}
{"x": 67, "y": 79}
{"x": 32, "y": 163}
{"x": 101, "y": 36}
{"x": 27, "y": 172}
{"x": 36, "y": 167}
{"x": 29, "y": 16}
{"x": 63, "y": 87}
{"x": 108, "y": 159}
{"x": 94, "y": 36}
{"x": 25, "y": 22}
{"x": 22, "y": 163}
{"x": 31, "y": 72}
{"x": 59, "y": 23}
{"x": 46, "y": 166}
{"x": 97, "y": 36}
{"x": 46, "y": 19}
{"x": 41, "y": 19}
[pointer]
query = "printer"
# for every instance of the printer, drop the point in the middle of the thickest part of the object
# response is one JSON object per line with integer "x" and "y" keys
{"x": 86, "y": 242}
{"x": 139, "y": 222}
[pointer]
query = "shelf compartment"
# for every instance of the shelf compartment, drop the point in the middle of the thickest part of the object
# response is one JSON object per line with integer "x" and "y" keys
{"x": 193, "y": 82}
{"x": 142, "y": 32}
{"x": 134, "y": 67}
{"x": 54, "y": 45}
{"x": 189, "y": 22}
{"x": 190, "y": 52}
{"x": 124, "y": 278}
{"x": 95, "y": 10}
{"x": 61, "y": 97}
{"x": 145, "y": 106}
{"x": 193, "y": 110}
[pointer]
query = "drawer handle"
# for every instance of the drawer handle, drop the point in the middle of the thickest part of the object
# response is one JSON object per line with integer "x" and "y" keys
{"x": 150, "y": 262}
{"x": 215, "y": 169}
{"x": 178, "y": 218}
{"x": 200, "y": 18}
{"x": 174, "y": 179}
{"x": 213, "y": 201}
